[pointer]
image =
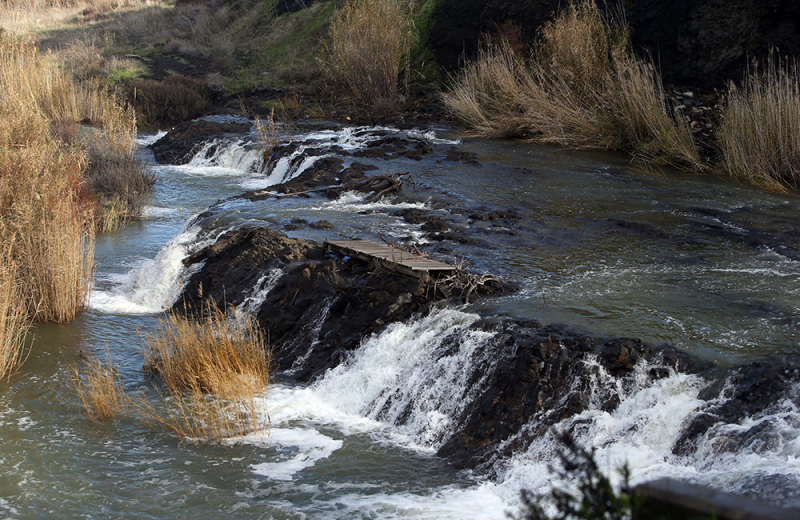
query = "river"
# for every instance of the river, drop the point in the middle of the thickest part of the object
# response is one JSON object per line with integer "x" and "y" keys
{"x": 697, "y": 262}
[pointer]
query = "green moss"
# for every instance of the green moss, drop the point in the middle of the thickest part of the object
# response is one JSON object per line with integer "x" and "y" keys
{"x": 125, "y": 75}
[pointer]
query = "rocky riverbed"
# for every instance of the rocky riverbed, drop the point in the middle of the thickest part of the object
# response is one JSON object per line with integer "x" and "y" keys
{"x": 320, "y": 307}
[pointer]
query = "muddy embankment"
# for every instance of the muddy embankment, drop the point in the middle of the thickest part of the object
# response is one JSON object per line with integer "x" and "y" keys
{"x": 317, "y": 307}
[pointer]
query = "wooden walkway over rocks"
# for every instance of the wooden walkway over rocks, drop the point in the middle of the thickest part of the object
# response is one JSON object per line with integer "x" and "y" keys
{"x": 392, "y": 258}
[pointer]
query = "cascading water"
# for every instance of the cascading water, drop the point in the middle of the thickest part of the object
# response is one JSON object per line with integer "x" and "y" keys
{"x": 359, "y": 442}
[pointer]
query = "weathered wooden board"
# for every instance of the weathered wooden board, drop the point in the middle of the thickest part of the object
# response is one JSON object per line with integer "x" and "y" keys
{"x": 396, "y": 259}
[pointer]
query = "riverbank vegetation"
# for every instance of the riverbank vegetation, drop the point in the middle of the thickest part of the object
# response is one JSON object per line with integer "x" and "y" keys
{"x": 370, "y": 42}
{"x": 99, "y": 389}
{"x": 760, "y": 131}
{"x": 212, "y": 367}
{"x": 58, "y": 140}
{"x": 581, "y": 87}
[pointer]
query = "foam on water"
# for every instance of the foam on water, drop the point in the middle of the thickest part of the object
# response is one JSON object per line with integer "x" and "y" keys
{"x": 156, "y": 284}
{"x": 400, "y": 374}
{"x": 157, "y": 212}
{"x": 242, "y": 156}
{"x": 311, "y": 445}
{"x": 354, "y": 202}
{"x": 144, "y": 140}
{"x": 408, "y": 384}
{"x": 260, "y": 291}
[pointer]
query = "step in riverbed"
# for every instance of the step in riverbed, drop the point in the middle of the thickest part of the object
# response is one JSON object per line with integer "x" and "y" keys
{"x": 391, "y": 257}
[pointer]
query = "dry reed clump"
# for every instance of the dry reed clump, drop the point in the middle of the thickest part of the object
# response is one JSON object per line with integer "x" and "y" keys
{"x": 369, "y": 47}
{"x": 173, "y": 100}
{"x": 100, "y": 390}
{"x": 212, "y": 369}
{"x": 581, "y": 87}
{"x": 270, "y": 134}
{"x": 119, "y": 183}
{"x": 13, "y": 319}
{"x": 760, "y": 132}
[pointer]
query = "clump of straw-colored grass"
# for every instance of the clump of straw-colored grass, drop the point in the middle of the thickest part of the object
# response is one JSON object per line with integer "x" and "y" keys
{"x": 760, "y": 131}
{"x": 100, "y": 390}
{"x": 47, "y": 208}
{"x": 581, "y": 87}
{"x": 212, "y": 368}
{"x": 13, "y": 319}
{"x": 369, "y": 48}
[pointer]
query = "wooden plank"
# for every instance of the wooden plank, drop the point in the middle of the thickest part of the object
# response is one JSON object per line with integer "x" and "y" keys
{"x": 397, "y": 259}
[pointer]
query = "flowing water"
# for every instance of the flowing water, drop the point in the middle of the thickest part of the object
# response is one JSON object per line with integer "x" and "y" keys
{"x": 699, "y": 263}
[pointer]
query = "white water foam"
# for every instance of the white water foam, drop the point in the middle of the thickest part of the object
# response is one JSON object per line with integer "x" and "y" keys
{"x": 318, "y": 143}
{"x": 408, "y": 384}
{"x": 148, "y": 139}
{"x": 252, "y": 302}
{"x": 354, "y": 202}
{"x": 157, "y": 211}
{"x": 226, "y": 156}
{"x": 399, "y": 378}
{"x": 156, "y": 284}
{"x": 311, "y": 445}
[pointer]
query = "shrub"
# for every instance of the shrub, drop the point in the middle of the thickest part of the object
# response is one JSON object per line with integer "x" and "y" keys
{"x": 595, "y": 497}
{"x": 164, "y": 103}
{"x": 581, "y": 87}
{"x": 369, "y": 46}
{"x": 760, "y": 132}
{"x": 119, "y": 184}
{"x": 212, "y": 354}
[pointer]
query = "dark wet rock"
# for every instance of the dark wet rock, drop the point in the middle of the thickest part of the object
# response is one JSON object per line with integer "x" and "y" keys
{"x": 435, "y": 224}
{"x": 326, "y": 172}
{"x": 414, "y": 216}
{"x": 185, "y": 140}
{"x": 322, "y": 306}
{"x": 747, "y": 392}
{"x": 457, "y": 155}
{"x": 543, "y": 375}
{"x": 483, "y": 215}
{"x": 321, "y": 224}
{"x": 457, "y": 236}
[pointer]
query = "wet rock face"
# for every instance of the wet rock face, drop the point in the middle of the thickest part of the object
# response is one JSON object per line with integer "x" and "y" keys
{"x": 695, "y": 42}
{"x": 184, "y": 141}
{"x": 322, "y": 306}
{"x": 542, "y": 372}
{"x": 747, "y": 392}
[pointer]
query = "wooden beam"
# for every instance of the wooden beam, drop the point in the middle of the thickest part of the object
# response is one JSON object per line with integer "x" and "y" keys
{"x": 393, "y": 258}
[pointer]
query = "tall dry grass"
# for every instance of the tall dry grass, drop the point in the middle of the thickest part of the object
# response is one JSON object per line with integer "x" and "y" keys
{"x": 581, "y": 87}
{"x": 13, "y": 320}
{"x": 759, "y": 135}
{"x": 368, "y": 50}
{"x": 212, "y": 368}
{"x": 47, "y": 221}
{"x": 100, "y": 390}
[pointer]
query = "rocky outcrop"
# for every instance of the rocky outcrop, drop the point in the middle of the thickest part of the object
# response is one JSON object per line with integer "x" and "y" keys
{"x": 186, "y": 139}
{"x": 547, "y": 373}
{"x": 321, "y": 306}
